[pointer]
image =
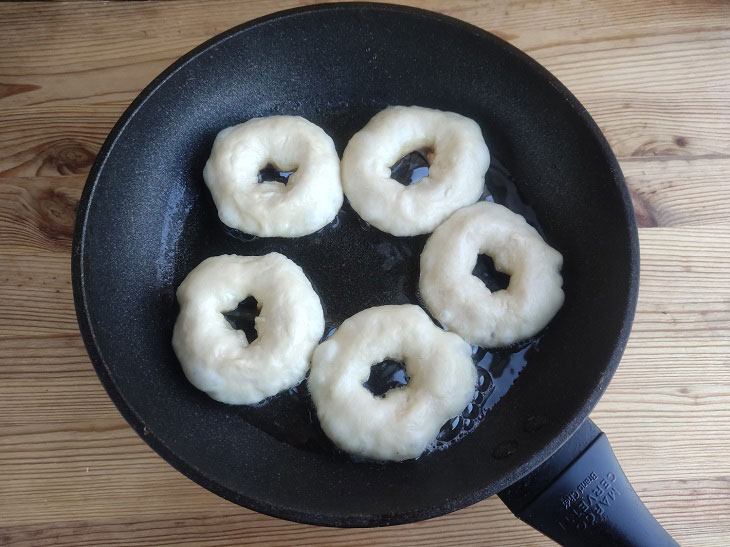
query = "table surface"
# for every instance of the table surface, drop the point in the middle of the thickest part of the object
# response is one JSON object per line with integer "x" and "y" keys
{"x": 656, "y": 77}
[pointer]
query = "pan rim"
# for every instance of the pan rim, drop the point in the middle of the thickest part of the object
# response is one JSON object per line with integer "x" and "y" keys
{"x": 289, "y": 513}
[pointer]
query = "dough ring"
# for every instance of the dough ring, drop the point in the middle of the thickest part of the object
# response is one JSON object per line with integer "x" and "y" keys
{"x": 463, "y": 303}
{"x": 309, "y": 200}
{"x": 401, "y": 424}
{"x": 458, "y": 164}
{"x": 218, "y": 359}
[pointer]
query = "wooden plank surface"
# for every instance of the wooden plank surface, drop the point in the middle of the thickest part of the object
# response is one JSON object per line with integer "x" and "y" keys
{"x": 655, "y": 75}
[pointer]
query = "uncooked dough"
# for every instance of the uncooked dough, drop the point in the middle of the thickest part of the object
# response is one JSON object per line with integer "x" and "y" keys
{"x": 401, "y": 424}
{"x": 217, "y": 358}
{"x": 458, "y": 164}
{"x": 463, "y": 303}
{"x": 308, "y": 201}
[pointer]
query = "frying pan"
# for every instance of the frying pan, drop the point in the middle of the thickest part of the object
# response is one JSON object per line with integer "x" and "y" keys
{"x": 146, "y": 219}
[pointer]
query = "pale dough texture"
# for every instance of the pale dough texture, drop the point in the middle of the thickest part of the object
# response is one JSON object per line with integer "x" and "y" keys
{"x": 308, "y": 201}
{"x": 463, "y": 303}
{"x": 458, "y": 164}
{"x": 218, "y": 359}
{"x": 401, "y": 424}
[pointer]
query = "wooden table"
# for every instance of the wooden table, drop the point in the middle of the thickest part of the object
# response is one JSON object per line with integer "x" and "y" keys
{"x": 656, "y": 77}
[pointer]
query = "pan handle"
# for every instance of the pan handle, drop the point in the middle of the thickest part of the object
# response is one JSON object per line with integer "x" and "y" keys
{"x": 580, "y": 496}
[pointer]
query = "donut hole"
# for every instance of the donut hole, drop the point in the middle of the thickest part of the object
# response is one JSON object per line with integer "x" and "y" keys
{"x": 485, "y": 270}
{"x": 412, "y": 167}
{"x": 243, "y": 317}
{"x": 271, "y": 173}
{"x": 387, "y": 375}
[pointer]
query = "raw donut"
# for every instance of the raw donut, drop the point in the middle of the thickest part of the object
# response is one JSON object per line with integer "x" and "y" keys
{"x": 462, "y": 301}
{"x": 458, "y": 164}
{"x": 217, "y": 358}
{"x": 401, "y": 424}
{"x": 308, "y": 201}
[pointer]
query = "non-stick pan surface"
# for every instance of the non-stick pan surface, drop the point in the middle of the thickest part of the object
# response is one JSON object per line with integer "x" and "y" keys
{"x": 146, "y": 219}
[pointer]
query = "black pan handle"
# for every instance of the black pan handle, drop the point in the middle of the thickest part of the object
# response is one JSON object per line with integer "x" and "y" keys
{"x": 580, "y": 496}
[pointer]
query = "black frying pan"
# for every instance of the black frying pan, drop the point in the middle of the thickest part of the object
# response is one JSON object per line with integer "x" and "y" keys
{"x": 146, "y": 219}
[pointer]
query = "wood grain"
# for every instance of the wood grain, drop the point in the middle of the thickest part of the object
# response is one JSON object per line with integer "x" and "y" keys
{"x": 653, "y": 74}
{"x": 677, "y": 191}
